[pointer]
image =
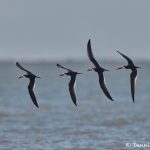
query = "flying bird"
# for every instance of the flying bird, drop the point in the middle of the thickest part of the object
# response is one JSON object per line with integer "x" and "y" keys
{"x": 98, "y": 69}
{"x": 31, "y": 77}
{"x": 133, "y": 75}
{"x": 72, "y": 82}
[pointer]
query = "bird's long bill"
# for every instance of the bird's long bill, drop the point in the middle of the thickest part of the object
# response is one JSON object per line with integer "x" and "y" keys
{"x": 62, "y": 74}
{"x": 79, "y": 73}
{"x": 120, "y": 68}
{"x": 21, "y": 77}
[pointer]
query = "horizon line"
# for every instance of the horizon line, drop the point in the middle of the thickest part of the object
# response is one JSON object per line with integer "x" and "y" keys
{"x": 65, "y": 60}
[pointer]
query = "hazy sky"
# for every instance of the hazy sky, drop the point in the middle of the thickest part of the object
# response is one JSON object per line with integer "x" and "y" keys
{"x": 59, "y": 29}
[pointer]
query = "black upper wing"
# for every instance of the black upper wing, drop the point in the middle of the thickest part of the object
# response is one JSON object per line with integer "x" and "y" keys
{"x": 19, "y": 66}
{"x": 60, "y": 66}
{"x": 130, "y": 62}
{"x": 90, "y": 55}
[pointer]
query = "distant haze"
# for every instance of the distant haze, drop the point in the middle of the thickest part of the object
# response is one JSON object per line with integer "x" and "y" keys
{"x": 60, "y": 29}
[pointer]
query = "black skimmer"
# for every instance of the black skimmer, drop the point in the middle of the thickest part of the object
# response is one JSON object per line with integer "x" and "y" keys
{"x": 133, "y": 75}
{"x": 72, "y": 82}
{"x": 31, "y": 77}
{"x": 98, "y": 69}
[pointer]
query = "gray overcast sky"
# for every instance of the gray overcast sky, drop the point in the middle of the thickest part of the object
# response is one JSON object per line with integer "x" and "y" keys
{"x": 59, "y": 29}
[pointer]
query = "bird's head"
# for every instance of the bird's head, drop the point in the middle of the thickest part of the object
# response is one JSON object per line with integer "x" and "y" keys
{"x": 28, "y": 76}
{"x": 79, "y": 73}
{"x": 92, "y": 69}
{"x": 21, "y": 76}
{"x": 37, "y": 77}
{"x": 122, "y": 67}
{"x": 25, "y": 75}
{"x": 62, "y": 74}
{"x": 70, "y": 73}
{"x": 104, "y": 69}
{"x": 97, "y": 70}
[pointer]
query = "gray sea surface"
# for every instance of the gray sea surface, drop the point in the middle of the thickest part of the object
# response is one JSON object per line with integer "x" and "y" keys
{"x": 95, "y": 124}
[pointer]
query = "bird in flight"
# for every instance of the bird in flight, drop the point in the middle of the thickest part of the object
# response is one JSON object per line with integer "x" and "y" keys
{"x": 133, "y": 75}
{"x": 31, "y": 77}
{"x": 98, "y": 69}
{"x": 72, "y": 82}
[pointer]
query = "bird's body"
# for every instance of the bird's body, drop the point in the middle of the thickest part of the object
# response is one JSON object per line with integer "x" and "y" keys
{"x": 133, "y": 75}
{"x": 31, "y": 85}
{"x": 72, "y": 82}
{"x": 98, "y": 69}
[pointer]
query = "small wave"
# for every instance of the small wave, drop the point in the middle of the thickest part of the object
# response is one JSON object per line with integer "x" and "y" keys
{"x": 3, "y": 114}
{"x": 118, "y": 122}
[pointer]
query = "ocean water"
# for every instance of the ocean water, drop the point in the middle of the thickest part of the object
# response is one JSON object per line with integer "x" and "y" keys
{"x": 96, "y": 124}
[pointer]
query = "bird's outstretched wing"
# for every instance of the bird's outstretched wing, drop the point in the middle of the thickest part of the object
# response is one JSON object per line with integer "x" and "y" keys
{"x": 31, "y": 92}
{"x": 72, "y": 88}
{"x": 90, "y": 55}
{"x": 103, "y": 86}
{"x": 130, "y": 62}
{"x": 19, "y": 66}
{"x": 133, "y": 78}
{"x": 60, "y": 66}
